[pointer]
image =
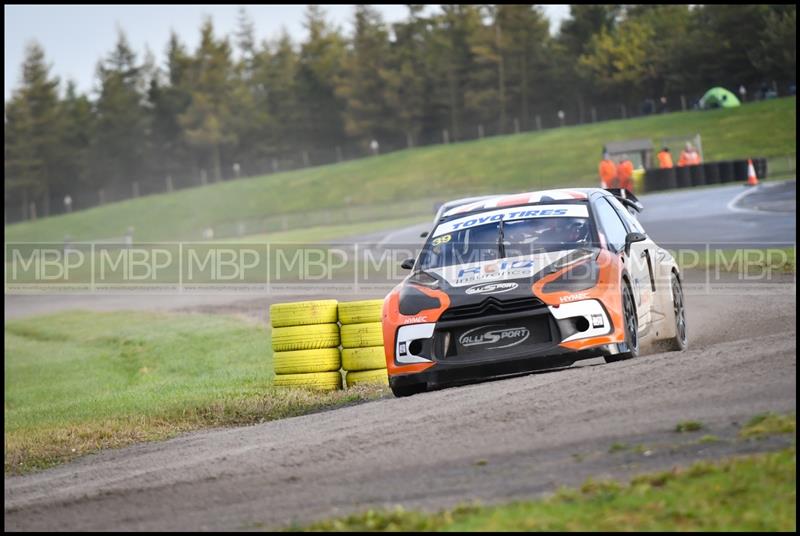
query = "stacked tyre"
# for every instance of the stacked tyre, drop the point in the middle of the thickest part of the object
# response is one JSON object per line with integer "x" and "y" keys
{"x": 305, "y": 344}
{"x": 362, "y": 342}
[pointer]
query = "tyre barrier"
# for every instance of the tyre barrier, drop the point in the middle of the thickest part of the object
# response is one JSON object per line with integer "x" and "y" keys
{"x": 303, "y": 313}
{"x": 761, "y": 168}
{"x": 367, "y": 358}
{"x": 306, "y": 337}
{"x": 711, "y": 170}
{"x": 313, "y": 337}
{"x": 683, "y": 175}
{"x": 698, "y": 175}
{"x": 359, "y": 312}
{"x": 305, "y": 344}
{"x": 361, "y": 335}
{"x": 658, "y": 179}
{"x": 324, "y": 381}
{"x": 740, "y": 171}
{"x": 299, "y": 361}
{"x": 378, "y": 376}
{"x": 726, "y": 171}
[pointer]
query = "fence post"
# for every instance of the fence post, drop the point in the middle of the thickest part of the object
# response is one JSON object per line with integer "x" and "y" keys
{"x": 305, "y": 158}
{"x": 135, "y": 188}
{"x": 409, "y": 140}
{"x": 480, "y": 131}
{"x": 101, "y": 197}
{"x": 169, "y": 183}
{"x": 33, "y": 210}
{"x": 516, "y": 125}
{"x": 445, "y": 136}
{"x": 683, "y": 103}
{"x": 624, "y": 114}
{"x": 538, "y": 122}
{"x": 275, "y": 165}
{"x": 338, "y": 154}
{"x": 203, "y": 178}
{"x": 594, "y": 115}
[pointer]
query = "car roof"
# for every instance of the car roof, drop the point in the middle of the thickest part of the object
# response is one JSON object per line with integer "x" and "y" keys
{"x": 524, "y": 198}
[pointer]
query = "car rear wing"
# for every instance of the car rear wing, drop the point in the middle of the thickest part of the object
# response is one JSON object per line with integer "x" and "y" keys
{"x": 627, "y": 198}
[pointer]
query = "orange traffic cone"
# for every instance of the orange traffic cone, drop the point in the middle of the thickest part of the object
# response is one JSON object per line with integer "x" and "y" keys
{"x": 752, "y": 180}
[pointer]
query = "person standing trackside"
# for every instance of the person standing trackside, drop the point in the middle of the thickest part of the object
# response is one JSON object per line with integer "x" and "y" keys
{"x": 625, "y": 173}
{"x": 608, "y": 172}
{"x": 689, "y": 156}
{"x": 664, "y": 158}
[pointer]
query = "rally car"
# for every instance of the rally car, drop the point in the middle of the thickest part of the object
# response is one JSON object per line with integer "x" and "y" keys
{"x": 513, "y": 283}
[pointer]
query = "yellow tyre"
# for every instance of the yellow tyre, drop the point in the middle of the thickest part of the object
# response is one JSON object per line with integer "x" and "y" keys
{"x": 303, "y": 313}
{"x": 324, "y": 381}
{"x": 379, "y": 376}
{"x": 361, "y": 335}
{"x": 371, "y": 357}
{"x": 358, "y": 312}
{"x": 325, "y": 360}
{"x": 305, "y": 337}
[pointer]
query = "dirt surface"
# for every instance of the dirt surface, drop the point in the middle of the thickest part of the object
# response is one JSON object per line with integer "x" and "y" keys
{"x": 512, "y": 438}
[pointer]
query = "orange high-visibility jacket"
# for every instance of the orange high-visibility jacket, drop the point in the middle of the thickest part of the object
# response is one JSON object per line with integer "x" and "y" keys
{"x": 689, "y": 158}
{"x": 625, "y": 174}
{"x": 608, "y": 174}
{"x": 664, "y": 160}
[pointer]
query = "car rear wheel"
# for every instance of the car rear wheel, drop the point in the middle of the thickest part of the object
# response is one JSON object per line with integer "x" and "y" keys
{"x": 631, "y": 328}
{"x": 680, "y": 341}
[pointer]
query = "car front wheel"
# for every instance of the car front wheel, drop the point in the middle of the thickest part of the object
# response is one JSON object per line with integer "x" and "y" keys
{"x": 631, "y": 328}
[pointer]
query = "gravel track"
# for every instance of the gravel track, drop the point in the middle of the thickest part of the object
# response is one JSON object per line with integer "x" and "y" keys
{"x": 497, "y": 440}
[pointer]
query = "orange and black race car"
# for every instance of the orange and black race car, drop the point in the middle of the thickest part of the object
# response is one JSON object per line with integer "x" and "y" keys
{"x": 514, "y": 283}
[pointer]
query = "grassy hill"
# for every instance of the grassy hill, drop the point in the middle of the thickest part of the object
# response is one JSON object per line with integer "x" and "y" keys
{"x": 393, "y": 185}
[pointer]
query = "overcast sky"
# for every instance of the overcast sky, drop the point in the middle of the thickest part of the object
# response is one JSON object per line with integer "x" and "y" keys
{"x": 75, "y": 37}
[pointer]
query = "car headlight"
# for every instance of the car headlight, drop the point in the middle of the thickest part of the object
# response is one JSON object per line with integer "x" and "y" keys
{"x": 413, "y": 300}
{"x": 582, "y": 276}
{"x": 424, "y": 278}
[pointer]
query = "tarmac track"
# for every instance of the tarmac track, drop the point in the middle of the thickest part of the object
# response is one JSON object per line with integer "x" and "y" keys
{"x": 494, "y": 441}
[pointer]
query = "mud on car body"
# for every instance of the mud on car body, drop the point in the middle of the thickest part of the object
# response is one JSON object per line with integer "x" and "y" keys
{"x": 514, "y": 283}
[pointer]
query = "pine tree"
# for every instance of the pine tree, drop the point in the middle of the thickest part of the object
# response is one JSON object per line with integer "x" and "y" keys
{"x": 34, "y": 154}
{"x": 320, "y": 65}
{"x": 362, "y": 86}
{"x": 207, "y": 122}
{"x": 120, "y": 148}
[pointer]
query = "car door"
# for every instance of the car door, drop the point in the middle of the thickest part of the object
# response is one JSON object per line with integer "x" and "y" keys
{"x": 637, "y": 260}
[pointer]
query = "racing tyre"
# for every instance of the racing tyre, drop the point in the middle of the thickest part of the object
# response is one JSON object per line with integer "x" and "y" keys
{"x": 305, "y": 337}
{"x": 681, "y": 340}
{"x": 407, "y": 390}
{"x": 359, "y": 312}
{"x": 323, "y": 381}
{"x": 303, "y": 313}
{"x": 631, "y": 328}
{"x": 324, "y": 360}
{"x": 369, "y": 358}
{"x": 378, "y": 377}
{"x": 361, "y": 335}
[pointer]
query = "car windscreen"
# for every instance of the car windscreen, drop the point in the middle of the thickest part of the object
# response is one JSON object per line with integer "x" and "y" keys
{"x": 505, "y": 233}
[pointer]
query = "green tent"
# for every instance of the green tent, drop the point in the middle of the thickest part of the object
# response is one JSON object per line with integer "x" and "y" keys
{"x": 719, "y": 97}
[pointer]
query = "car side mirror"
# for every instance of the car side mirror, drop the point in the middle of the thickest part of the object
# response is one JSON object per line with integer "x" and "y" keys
{"x": 407, "y": 264}
{"x": 630, "y": 238}
{"x": 423, "y": 234}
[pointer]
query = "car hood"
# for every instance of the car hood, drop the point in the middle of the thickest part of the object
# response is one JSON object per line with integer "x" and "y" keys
{"x": 503, "y": 279}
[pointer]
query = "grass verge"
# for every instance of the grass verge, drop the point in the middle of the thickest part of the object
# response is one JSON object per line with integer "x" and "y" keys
{"x": 746, "y": 493}
{"x": 534, "y": 160}
{"x": 79, "y": 382}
